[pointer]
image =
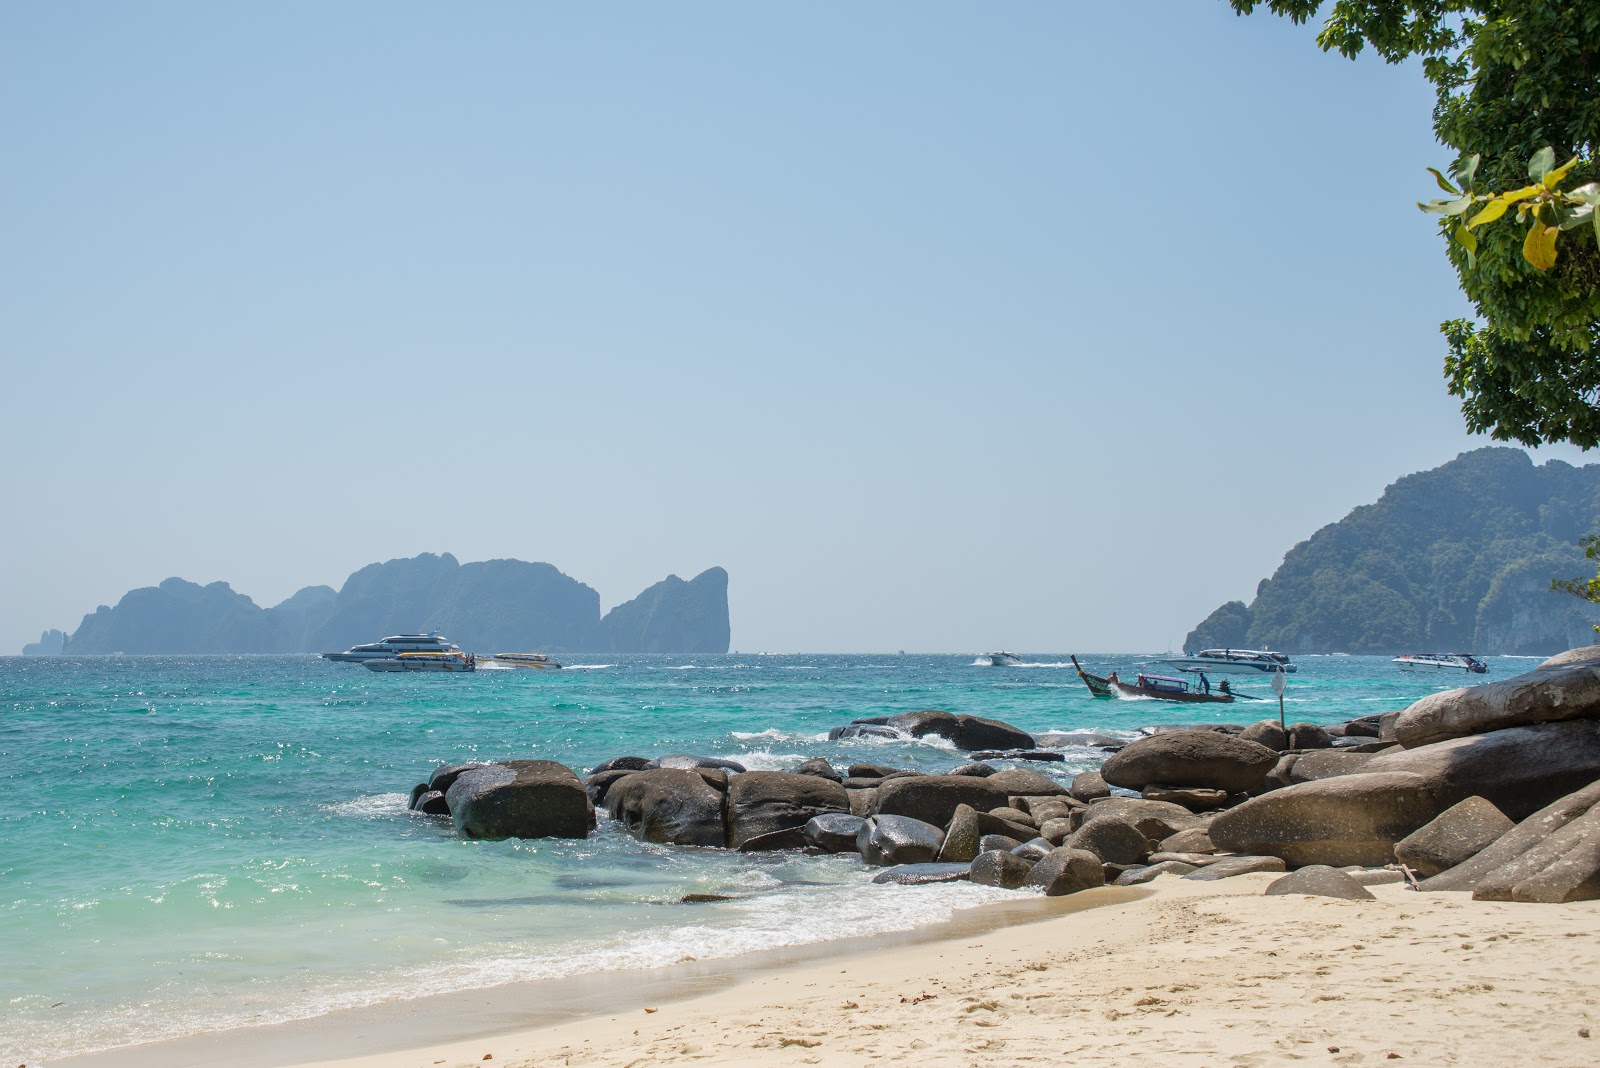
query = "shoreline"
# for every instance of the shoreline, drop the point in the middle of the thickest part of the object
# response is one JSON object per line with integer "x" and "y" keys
{"x": 395, "y": 1028}
{"x": 1175, "y": 974}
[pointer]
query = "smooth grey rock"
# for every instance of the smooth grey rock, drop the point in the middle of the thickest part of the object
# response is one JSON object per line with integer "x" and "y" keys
{"x": 1044, "y": 756}
{"x": 863, "y": 802}
{"x": 997, "y": 867}
{"x": 988, "y": 823}
{"x": 961, "y": 837}
{"x": 1033, "y": 849}
{"x": 966, "y": 732}
{"x": 1267, "y": 732}
{"x": 923, "y": 874}
{"x": 1377, "y": 876}
{"x": 1066, "y": 871}
{"x": 1351, "y": 819}
{"x": 933, "y": 798}
{"x": 431, "y": 803}
{"x": 1452, "y": 837}
{"x": 1517, "y": 841}
{"x": 599, "y": 784}
{"x": 819, "y": 767}
{"x": 1304, "y": 736}
{"x": 1089, "y": 786}
{"x": 670, "y": 805}
{"x": 1024, "y": 781}
{"x": 1055, "y": 831}
{"x": 862, "y": 730}
{"x": 1190, "y": 758}
{"x": 886, "y": 840}
{"x": 1113, "y": 840}
{"x": 622, "y": 763}
{"x": 1574, "y": 875}
{"x": 760, "y": 802}
{"x": 1196, "y": 860}
{"x": 1047, "y": 808}
{"x": 1193, "y": 798}
{"x": 520, "y": 799}
{"x": 687, "y": 761}
{"x": 1228, "y": 867}
{"x": 1194, "y": 840}
{"x": 445, "y": 775}
{"x": 1153, "y": 871}
{"x": 1319, "y": 880}
{"x": 416, "y": 792}
{"x": 1325, "y": 764}
{"x": 979, "y": 771}
{"x": 871, "y": 771}
{"x": 786, "y": 838}
{"x": 1580, "y": 837}
{"x": 1002, "y": 842}
{"x": 1565, "y": 687}
{"x": 833, "y": 831}
{"x": 1157, "y": 820}
{"x": 1014, "y": 815}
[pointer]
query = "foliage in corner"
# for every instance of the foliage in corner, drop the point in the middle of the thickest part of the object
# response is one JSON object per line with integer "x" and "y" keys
{"x": 1587, "y": 589}
{"x": 1517, "y": 86}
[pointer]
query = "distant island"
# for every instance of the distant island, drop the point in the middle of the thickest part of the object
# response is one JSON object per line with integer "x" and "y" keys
{"x": 489, "y": 606}
{"x": 1456, "y": 559}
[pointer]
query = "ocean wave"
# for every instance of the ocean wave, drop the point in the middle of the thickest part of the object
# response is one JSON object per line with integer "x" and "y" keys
{"x": 369, "y": 806}
{"x": 773, "y": 734}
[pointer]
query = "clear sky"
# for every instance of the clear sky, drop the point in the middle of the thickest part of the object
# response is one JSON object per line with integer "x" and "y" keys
{"x": 941, "y": 326}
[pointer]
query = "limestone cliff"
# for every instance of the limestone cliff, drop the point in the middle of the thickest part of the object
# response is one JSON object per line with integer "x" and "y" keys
{"x": 50, "y": 643}
{"x": 673, "y": 616}
{"x": 1454, "y": 559}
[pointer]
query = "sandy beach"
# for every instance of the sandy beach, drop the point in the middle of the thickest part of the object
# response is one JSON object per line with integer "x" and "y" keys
{"x": 1192, "y": 974}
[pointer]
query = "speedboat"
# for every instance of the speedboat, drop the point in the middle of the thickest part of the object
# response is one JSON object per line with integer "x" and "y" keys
{"x": 526, "y": 660}
{"x": 1233, "y": 662}
{"x": 1004, "y": 660}
{"x": 1441, "y": 662}
{"x": 453, "y": 661}
{"x": 393, "y": 646}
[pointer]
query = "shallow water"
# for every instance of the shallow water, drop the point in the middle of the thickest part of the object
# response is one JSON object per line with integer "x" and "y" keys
{"x": 202, "y": 842}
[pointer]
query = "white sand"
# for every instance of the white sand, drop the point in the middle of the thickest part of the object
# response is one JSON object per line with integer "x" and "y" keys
{"x": 1202, "y": 974}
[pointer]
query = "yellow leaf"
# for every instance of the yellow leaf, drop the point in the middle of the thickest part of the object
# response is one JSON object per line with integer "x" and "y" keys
{"x": 1539, "y": 247}
{"x": 1491, "y": 211}
{"x": 1553, "y": 179}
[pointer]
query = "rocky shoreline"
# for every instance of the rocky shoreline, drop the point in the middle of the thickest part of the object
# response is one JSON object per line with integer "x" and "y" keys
{"x": 1493, "y": 789}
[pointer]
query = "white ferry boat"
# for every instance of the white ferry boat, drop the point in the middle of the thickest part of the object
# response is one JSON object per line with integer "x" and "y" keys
{"x": 455, "y": 661}
{"x": 393, "y": 646}
{"x": 1441, "y": 662}
{"x": 538, "y": 661}
{"x": 1233, "y": 662}
{"x": 1004, "y": 660}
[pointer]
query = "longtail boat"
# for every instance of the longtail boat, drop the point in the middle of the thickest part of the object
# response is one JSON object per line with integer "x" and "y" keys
{"x": 1166, "y": 688}
{"x": 1098, "y": 685}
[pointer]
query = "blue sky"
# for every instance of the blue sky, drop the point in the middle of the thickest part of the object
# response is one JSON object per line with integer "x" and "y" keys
{"x": 941, "y": 326}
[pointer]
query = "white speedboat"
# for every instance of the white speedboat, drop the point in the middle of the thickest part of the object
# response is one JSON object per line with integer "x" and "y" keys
{"x": 393, "y": 646}
{"x": 1441, "y": 662}
{"x": 455, "y": 661}
{"x": 1004, "y": 660}
{"x": 1233, "y": 662}
{"x": 538, "y": 661}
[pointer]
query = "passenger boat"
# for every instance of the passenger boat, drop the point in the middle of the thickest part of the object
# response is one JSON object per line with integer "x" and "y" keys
{"x": 1233, "y": 662}
{"x": 1004, "y": 660}
{"x": 393, "y": 646}
{"x": 1099, "y": 685}
{"x": 452, "y": 661}
{"x": 1165, "y": 688}
{"x": 526, "y": 660}
{"x": 1441, "y": 662}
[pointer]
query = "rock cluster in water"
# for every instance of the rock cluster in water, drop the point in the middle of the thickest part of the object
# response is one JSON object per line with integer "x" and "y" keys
{"x": 1493, "y": 789}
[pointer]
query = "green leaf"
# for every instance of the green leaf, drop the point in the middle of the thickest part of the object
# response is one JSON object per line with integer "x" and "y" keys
{"x": 1465, "y": 171}
{"x": 1447, "y": 207}
{"x": 1540, "y": 164}
{"x": 1553, "y": 179}
{"x": 1446, "y": 186}
{"x": 1491, "y": 211}
{"x": 1466, "y": 238}
{"x": 1539, "y": 247}
{"x": 1572, "y": 218}
{"x": 1588, "y": 193}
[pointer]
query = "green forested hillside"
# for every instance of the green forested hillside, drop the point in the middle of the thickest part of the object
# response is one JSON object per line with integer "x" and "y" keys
{"x": 1459, "y": 558}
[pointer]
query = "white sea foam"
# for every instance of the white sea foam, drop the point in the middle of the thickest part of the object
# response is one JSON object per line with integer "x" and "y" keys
{"x": 767, "y": 760}
{"x": 368, "y": 806}
{"x": 586, "y": 667}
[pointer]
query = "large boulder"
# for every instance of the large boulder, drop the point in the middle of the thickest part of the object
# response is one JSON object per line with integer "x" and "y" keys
{"x": 1563, "y": 867}
{"x": 760, "y": 802}
{"x": 819, "y": 767}
{"x": 1565, "y": 687}
{"x": 1325, "y": 764}
{"x": 1319, "y": 880}
{"x": 933, "y": 798}
{"x": 600, "y": 783}
{"x": 671, "y": 805}
{"x": 1089, "y": 786}
{"x": 961, "y": 836}
{"x": 1350, "y": 819}
{"x": 1066, "y": 871}
{"x": 1190, "y": 758}
{"x": 1517, "y": 841}
{"x": 968, "y": 733}
{"x": 834, "y": 832}
{"x": 998, "y": 867}
{"x": 886, "y": 840}
{"x": 1155, "y": 819}
{"x": 922, "y": 874}
{"x": 622, "y": 763}
{"x": 1267, "y": 732}
{"x": 445, "y": 775}
{"x": 1308, "y": 736}
{"x": 1519, "y": 770}
{"x": 688, "y": 762}
{"x": 1115, "y": 840}
{"x": 520, "y": 799}
{"x": 1228, "y": 867}
{"x": 1454, "y": 836}
{"x": 1021, "y": 782}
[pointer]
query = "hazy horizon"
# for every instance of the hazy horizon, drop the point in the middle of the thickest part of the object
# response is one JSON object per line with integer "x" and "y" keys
{"x": 936, "y": 326}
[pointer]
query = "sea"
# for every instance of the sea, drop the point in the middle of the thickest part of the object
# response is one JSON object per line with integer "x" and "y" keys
{"x": 197, "y": 843}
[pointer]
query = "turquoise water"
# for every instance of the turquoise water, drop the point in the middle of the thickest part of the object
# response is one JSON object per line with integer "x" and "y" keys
{"x": 191, "y": 843}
